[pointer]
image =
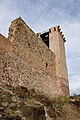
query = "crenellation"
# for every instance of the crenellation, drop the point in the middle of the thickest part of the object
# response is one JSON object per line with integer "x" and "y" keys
{"x": 61, "y": 33}
{"x": 64, "y": 40}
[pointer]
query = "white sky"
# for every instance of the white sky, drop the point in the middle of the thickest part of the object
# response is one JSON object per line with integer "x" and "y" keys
{"x": 40, "y": 15}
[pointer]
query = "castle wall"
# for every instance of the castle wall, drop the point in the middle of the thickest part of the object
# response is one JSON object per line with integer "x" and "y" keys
{"x": 5, "y": 44}
{"x": 25, "y": 60}
{"x": 16, "y": 72}
{"x": 30, "y": 63}
{"x": 30, "y": 48}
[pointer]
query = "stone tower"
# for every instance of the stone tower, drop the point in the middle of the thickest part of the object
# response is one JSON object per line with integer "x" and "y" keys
{"x": 55, "y": 41}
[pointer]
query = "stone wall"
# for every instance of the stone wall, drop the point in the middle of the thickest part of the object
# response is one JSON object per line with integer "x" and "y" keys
{"x": 25, "y": 60}
{"x": 64, "y": 72}
{"x": 30, "y": 48}
{"x": 16, "y": 72}
{"x": 5, "y": 44}
{"x": 30, "y": 63}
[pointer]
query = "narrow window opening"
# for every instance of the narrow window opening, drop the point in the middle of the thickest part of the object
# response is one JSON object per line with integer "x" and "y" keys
{"x": 29, "y": 44}
{"x": 46, "y": 64}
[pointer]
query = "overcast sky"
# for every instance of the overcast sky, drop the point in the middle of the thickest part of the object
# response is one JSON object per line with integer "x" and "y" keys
{"x": 40, "y": 15}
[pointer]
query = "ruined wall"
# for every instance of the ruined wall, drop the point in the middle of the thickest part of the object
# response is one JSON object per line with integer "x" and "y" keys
{"x": 25, "y": 60}
{"x": 30, "y": 63}
{"x": 5, "y": 44}
{"x": 16, "y": 72}
{"x": 30, "y": 48}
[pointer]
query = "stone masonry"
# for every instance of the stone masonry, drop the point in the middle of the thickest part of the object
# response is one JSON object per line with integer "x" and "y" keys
{"x": 25, "y": 60}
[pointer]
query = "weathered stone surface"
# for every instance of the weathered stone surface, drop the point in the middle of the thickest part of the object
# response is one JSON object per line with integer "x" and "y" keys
{"x": 29, "y": 48}
{"x": 19, "y": 73}
{"x": 5, "y": 44}
{"x": 57, "y": 46}
{"x": 21, "y": 91}
{"x": 26, "y": 61}
{"x": 36, "y": 107}
{"x": 4, "y": 104}
{"x": 14, "y": 99}
{"x": 34, "y": 113}
{"x": 12, "y": 118}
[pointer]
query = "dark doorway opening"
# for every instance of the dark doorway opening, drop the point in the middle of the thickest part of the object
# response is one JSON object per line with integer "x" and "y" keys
{"x": 45, "y": 38}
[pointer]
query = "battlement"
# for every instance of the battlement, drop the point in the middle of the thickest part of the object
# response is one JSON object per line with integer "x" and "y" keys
{"x": 57, "y": 28}
{"x": 45, "y": 35}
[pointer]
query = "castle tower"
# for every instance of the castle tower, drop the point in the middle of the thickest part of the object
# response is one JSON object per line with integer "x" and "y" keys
{"x": 55, "y": 41}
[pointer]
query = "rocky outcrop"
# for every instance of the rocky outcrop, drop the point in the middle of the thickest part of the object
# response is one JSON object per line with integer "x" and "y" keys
{"x": 31, "y": 106}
